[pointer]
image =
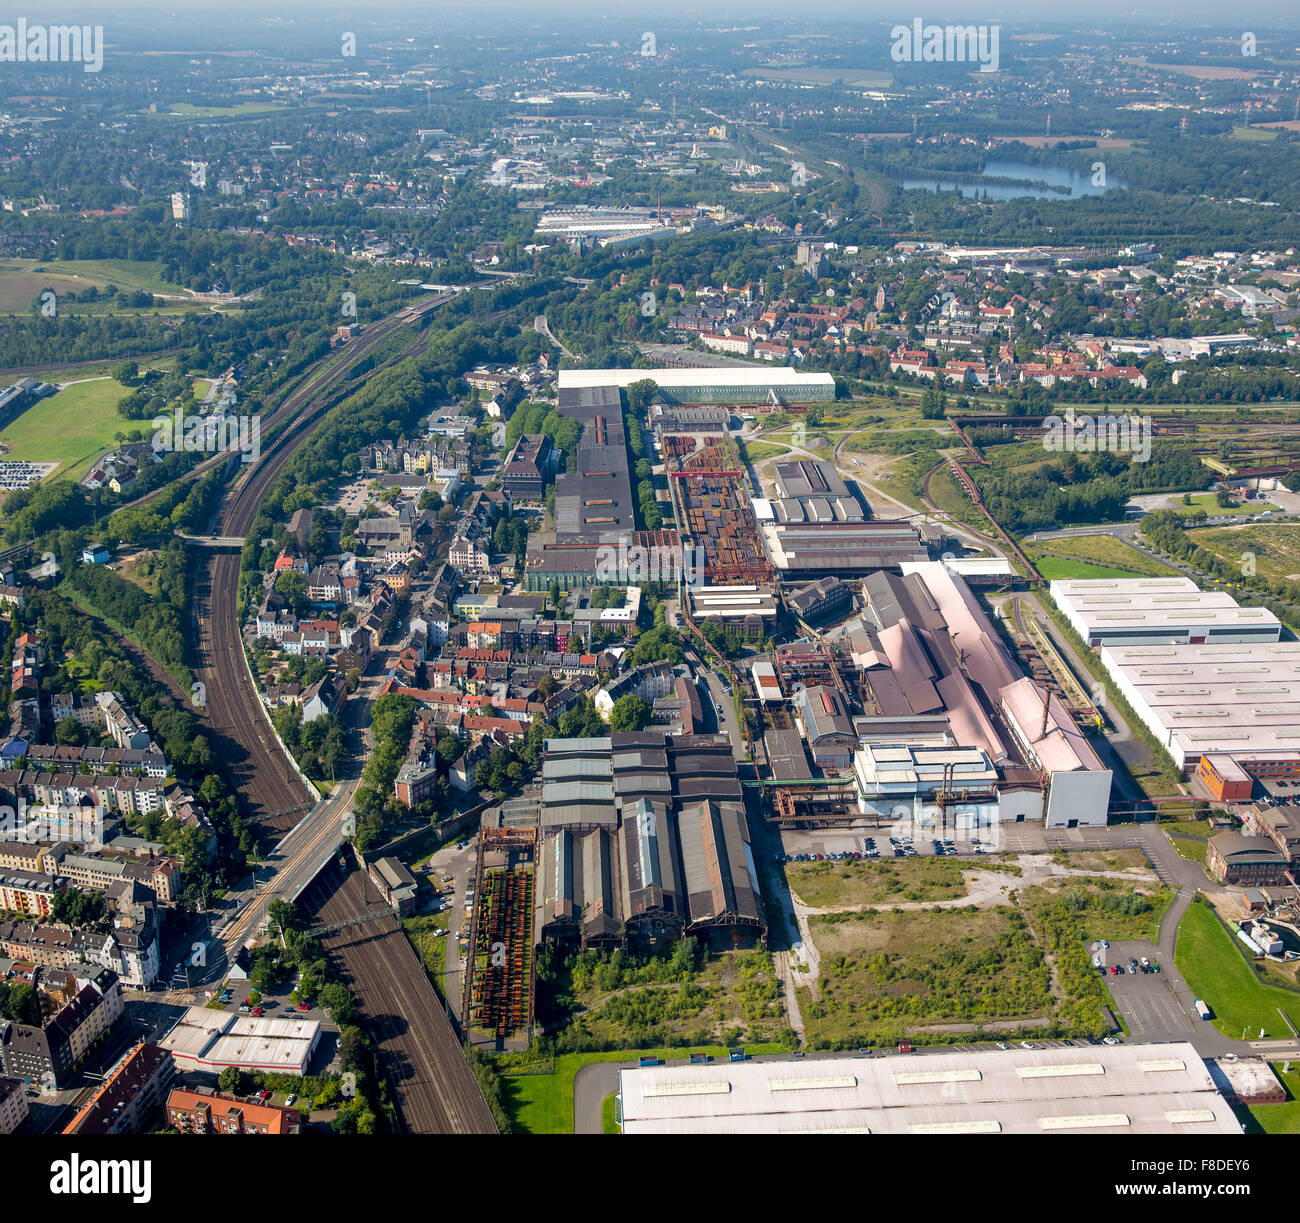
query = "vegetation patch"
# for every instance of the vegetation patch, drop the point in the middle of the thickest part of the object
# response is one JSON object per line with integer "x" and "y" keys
{"x": 883, "y": 974}
{"x": 841, "y": 885}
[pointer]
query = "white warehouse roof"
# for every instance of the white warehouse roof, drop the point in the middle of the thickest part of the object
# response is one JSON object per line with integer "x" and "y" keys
{"x": 1127, "y": 1089}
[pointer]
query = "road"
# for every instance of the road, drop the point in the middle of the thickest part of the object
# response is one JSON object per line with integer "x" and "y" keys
{"x": 543, "y": 328}
{"x": 724, "y": 706}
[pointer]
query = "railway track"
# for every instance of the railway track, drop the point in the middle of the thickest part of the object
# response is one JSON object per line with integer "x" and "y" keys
{"x": 275, "y": 796}
{"x": 434, "y": 1089}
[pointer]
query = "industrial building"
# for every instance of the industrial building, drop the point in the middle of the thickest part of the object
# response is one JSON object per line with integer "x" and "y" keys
{"x": 1241, "y": 861}
{"x": 1078, "y": 785}
{"x": 1242, "y": 699}
{"x": 396, "y": 884}
{"x": 820, "y": 600}
{"x": 643, "y": 837}
{"x": 827, "y": 727}
{"x": 527, "y": 468}
{"x": 1137, "y": 611}
{"x": 809, "y": 490}
{"x": 594, "y": 496}
{"x": 1122, "y": 1089}
{"x": 751, "y": 608}
{"x": 808, "y": 550}
{"x": 212, "y": 1040}
{"x": 733, "y": 384}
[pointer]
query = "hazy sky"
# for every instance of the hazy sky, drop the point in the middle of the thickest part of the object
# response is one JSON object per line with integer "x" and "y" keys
{"x": 1178, "y": 12}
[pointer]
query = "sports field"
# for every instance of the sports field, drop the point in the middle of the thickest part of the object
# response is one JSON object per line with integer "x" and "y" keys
{"x": 72, "y": 428}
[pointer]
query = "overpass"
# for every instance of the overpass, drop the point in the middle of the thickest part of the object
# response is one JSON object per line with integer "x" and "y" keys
{"x": 216, "y": 542}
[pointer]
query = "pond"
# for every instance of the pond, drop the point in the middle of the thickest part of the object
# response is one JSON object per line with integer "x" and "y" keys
{"x": 1077, "y": 182}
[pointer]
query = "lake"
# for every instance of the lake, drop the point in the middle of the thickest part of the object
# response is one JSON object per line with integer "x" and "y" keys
{"x": 1079, "y": 182}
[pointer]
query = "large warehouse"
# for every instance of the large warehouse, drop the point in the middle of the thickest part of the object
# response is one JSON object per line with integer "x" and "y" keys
{"x": 1124, "y": 1089}
{"x": 1238, "y": 698}
{"x": 732, "y": 384}
{"x": 1134, "y": 611}
{"x": 644, "y": 837}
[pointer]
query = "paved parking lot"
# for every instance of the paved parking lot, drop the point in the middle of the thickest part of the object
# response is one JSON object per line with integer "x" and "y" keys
{"x": 854, "y": 840}
{"x": 1145, "y": 1000}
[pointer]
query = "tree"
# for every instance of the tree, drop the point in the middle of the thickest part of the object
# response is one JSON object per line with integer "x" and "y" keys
{"x": 125, "y": 372}
{"x": 630, "y": 713}
{"x": 231, "y": 1081}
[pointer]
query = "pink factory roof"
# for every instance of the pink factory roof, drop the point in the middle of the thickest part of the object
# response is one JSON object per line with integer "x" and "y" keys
{"x": 970, "y": 725}
{"x": 1063, "y": 749}
{"x": 911, "y": 668}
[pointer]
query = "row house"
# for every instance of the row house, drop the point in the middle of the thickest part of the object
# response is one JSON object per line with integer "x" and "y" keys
{"x": 50, "y": 1054}
{"x": 275, "y": 625}
{"x": 67, "y": 758}
{"x": 121, "y": 724}
{"x": 100, "y": 872}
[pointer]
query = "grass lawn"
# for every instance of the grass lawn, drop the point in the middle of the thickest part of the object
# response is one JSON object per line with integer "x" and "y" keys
{"x": 71, "y": 428}
{"x": 1216, "y": 971}
{"x": 839, "y": 885}
{"x": 1193, "y": 851}
{"x": 1052, "y": 567}
{"x": 543, "y": 1103}
{"x": 81, "y": 273}
{"x": 1106, "y": 551}
{"x": 608, "y": 1115}
{"x": 430, "y": 947}
{"x": 758, "y": 451}
{"x": 1209, "y": 502}
{"x": 187, "y": 110}
{"x": 1252, "y": 133}
{"x": 1276, "y": 1118}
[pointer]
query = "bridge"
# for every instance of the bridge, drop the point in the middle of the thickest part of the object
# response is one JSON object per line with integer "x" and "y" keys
{"x": 218, "y": 543}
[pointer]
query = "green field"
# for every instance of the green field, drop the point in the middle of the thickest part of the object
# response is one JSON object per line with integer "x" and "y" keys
{"x": 860, "y": 78}
{"x": 543, "y": 1103}
{"x": 1209, "y": 502}
{"x": 886, "y": 973}
{"x": 72, "y": 428}
{"x": 1217, "y": 972}
{"x": 839, "y": 885}
{"x": 1275, "y": 546}
{"x": 1108, "y": 908}
{"x": 125, "y": 273}
{"x": 1104, "y": 551}
{"x": 1252, "y": 133}
{"x": 1052, "y": 567}
{"x": 187, "y": 110}
{"x": 758, "y": 451}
